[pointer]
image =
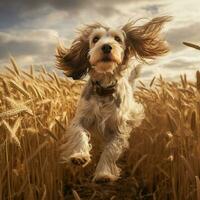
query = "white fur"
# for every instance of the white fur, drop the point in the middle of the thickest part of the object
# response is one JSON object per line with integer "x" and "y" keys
{"x": 100, "y": 114}
{"x": 111, "y": 117}
{"x": 104, "y": 54}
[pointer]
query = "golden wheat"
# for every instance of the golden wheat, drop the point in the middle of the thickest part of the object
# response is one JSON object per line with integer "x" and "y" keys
{"x": 162, "y": 162}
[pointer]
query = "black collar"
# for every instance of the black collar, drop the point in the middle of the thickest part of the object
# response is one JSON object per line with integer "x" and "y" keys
{"x": 103, "y": 91}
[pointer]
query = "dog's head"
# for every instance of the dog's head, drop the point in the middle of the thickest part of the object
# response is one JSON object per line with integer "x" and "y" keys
{"x": 104, "y": 49}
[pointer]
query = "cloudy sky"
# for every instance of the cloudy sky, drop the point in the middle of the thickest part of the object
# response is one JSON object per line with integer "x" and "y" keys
{"x": 30, "y": 29}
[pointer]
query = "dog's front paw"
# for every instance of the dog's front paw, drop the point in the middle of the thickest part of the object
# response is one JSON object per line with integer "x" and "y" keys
{"x": 80, "y": 159}
{"x": 104, "y": 178}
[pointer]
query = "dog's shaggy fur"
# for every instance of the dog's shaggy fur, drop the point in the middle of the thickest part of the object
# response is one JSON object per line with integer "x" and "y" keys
{"x": 107, "y": 107}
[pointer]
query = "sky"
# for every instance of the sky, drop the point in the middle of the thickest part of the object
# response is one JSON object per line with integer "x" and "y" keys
{"x": 30, "y": 29}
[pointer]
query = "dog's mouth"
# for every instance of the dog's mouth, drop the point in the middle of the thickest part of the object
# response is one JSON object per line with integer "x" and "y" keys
{"x": 107, "y": 59}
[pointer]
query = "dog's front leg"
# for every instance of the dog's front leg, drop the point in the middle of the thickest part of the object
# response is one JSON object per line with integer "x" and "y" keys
{"x": 107, "y": 169}
{"x": 76, "y": 147}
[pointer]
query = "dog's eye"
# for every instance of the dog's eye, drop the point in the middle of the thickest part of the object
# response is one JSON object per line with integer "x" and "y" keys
{"x": 95, "y": 39}
{"x": 118, "y": 39}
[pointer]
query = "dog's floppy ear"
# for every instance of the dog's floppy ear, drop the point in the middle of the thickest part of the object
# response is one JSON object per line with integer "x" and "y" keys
{"x": 144, "y": 42}
{"x": 74, "y": 61}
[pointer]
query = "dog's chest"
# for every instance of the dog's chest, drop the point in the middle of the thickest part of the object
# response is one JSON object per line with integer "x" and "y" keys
{"x": 105, "y": 114}
{"x": 105, "y": 108}
{"x": 108, "y": 112}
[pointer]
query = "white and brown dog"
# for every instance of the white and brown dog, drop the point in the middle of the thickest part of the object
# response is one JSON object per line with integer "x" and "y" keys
{"x": 107, "y": 107}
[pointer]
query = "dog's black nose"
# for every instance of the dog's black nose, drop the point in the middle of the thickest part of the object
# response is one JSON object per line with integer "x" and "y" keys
{"x": 106, "y": 48}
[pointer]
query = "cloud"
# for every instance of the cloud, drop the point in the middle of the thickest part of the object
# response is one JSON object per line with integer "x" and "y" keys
{"x": 16, "y": 12}
{"x": 18, "y": 7}
{"x": 60, "y": 4}
{"x": 147, "y": 72}
{"x": 176, "y": 36}
{"x": 29, "y": 29}
{"x": 180, "y": 66}
{"x": 36, "y": 46}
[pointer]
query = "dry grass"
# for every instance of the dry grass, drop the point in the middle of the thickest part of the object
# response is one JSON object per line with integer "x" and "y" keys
{"x": 163, "y": 161}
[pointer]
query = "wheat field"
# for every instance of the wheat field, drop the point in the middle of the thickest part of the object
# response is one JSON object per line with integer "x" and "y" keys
{"x": 162, "y": 163}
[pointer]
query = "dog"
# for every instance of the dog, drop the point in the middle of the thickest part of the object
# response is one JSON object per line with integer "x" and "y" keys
{"x": 107, "y": 108}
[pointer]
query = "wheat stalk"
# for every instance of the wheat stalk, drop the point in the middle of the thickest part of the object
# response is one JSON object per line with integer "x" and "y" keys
{"x": 192, "y": 45}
